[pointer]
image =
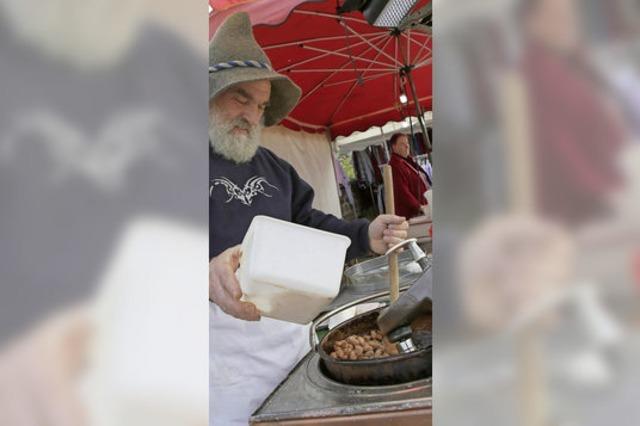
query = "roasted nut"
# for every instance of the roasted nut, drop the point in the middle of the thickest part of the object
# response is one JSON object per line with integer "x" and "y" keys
{"x": 365, "y": 345}
{"x": 389, "y": 347}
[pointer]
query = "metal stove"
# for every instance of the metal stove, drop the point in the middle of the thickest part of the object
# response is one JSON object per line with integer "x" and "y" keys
{"x": 308, "y": 397}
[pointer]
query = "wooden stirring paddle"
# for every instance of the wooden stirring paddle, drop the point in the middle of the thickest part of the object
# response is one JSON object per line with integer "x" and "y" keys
{"x": 394, "y": 276}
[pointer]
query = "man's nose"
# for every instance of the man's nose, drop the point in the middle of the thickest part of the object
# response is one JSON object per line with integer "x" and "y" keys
{"x": 253, "y": 114}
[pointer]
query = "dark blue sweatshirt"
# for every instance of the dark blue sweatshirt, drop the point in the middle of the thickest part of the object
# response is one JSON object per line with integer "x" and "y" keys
{"x": 269, "y": 186}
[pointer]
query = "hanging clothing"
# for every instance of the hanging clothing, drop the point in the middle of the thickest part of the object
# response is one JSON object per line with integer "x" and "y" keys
{"x": 380, "y": 199}
{"x": 428, "y": 169}
{"x": 418, "y": 144}
{"x": 375, "y": 163}
{"x": 343, "y": 180}
{"x": 363, "y": 166}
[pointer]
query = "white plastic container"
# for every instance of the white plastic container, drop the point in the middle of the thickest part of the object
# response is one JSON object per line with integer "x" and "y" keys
{"x": 290, "y": 272}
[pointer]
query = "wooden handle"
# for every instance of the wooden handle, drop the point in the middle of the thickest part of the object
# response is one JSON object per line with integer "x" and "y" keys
{"x": 389, "y": 202}
{"x": 534, "y": 390}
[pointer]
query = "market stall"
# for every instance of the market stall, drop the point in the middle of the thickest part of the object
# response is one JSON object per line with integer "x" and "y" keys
{"x": 368, "y": 151}
{"x": 353, "y": 76}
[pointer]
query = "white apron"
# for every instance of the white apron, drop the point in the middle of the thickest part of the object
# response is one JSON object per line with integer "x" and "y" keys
{"x": 247, "y": 360}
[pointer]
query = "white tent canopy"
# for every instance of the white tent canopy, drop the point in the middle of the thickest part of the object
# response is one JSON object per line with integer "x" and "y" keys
{"x": 378, "y": 135}
{"x": 310, "y": 155}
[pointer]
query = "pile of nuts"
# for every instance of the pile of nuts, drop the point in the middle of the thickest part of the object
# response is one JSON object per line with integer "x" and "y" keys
{"x": 363, "y": 346}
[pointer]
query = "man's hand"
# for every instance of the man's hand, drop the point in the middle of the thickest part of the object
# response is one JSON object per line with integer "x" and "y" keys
{"x": 386, "y": 231}
{"x": 224, "y": 289}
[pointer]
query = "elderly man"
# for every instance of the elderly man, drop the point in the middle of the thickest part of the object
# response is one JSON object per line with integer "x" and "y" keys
{"x": 410, "y": 181}
{"x": 249, "y": 355}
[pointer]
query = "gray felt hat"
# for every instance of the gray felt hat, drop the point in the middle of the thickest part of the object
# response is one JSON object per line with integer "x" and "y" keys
{"x": 236, "y": 57}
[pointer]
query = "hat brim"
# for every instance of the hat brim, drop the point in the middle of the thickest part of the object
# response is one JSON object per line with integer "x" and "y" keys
{"x": 284, "y": 92}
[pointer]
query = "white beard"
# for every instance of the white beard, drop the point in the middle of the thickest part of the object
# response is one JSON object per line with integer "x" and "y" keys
{"x": 238, "y": 148}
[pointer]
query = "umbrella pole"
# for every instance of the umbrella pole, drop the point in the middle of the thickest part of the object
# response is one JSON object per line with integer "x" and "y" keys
{"x": 414, "y": 95}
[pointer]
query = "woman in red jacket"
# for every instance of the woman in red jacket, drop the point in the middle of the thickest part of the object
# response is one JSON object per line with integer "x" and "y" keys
{"x": 409, "y": 179}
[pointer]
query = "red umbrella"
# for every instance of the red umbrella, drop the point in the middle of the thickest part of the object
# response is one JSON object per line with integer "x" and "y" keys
{"x": 352, "y": 74}
{"x": 271, "y": 12}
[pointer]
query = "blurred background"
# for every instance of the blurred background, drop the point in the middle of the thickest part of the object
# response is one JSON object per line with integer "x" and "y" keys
{"x": 537, "y": 231}
{"x": 103, "y": 307}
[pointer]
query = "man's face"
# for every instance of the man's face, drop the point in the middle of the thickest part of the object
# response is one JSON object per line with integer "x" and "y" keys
{"x": 236, "y": 117}
{"x": 401, "y": 147}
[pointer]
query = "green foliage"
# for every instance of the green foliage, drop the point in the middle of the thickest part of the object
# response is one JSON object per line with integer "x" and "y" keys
{"x": 347, "y": 166}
